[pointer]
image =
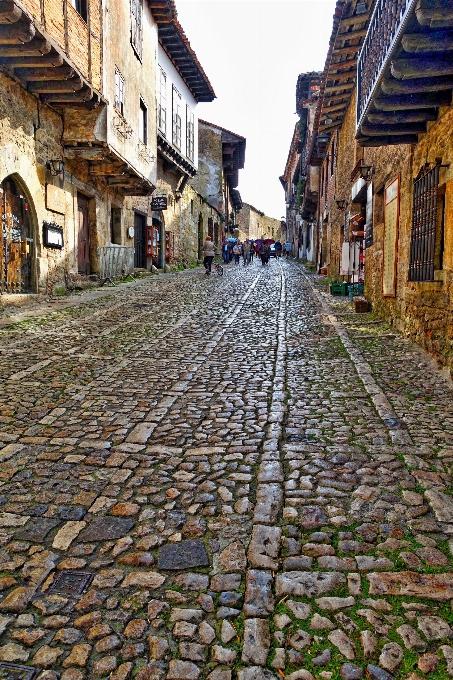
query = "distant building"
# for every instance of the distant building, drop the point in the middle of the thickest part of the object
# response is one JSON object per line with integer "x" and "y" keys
{"x": 254, "y": 224}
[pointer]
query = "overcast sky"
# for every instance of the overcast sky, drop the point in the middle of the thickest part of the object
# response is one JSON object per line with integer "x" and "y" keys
{"x": 252, "y": 51}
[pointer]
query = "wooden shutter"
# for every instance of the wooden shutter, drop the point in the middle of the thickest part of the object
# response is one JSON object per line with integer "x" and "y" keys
{"x": 136, "y": 26}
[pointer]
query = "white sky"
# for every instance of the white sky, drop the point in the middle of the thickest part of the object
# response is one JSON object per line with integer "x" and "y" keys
{"x": 252, "y": 52}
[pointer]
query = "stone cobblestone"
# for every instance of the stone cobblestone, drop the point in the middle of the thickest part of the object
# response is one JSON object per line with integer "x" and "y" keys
{"x": 227, "y": 478}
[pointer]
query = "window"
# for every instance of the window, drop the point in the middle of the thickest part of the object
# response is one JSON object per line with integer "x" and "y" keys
{"x": 190, "y": 133}
{"x": 143, "y": 122}
{"x": 119, "y": 92}
{"x": 80, "y": 6}
{"x": 427, "y": 234}
{"x": 176, "y": 118}
{"x": 136, "y": 26}
{"x": 162, "y": 105}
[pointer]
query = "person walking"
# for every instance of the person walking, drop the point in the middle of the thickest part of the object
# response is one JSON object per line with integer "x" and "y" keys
{"x": 246, "y": 248}
{"x": 237, "y": 251}
{"x": 209, "y": 252}
{"x": 264, "y": 252}
{"x": 226, "y": 252}
{"x": 252, "y": 250}
{"x": 278, "y": 248}
{"x": 287, "y": 249}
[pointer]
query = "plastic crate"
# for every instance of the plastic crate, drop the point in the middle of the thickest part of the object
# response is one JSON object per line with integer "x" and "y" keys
{"x": 355, "y": 289}
{"x": 339, "y": 288}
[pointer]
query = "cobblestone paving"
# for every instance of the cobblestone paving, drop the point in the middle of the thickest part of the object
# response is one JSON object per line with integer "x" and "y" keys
{"x": 226, "y": 478}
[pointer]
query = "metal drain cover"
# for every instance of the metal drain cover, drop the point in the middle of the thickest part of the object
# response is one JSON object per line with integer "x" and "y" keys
{"x": 11, "y": 671}
{"x": 71, "y": 583}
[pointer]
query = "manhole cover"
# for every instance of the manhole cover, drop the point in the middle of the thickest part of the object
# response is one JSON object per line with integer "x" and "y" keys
{"x": 11, "y": 671}
{"x": 71, "y": 582}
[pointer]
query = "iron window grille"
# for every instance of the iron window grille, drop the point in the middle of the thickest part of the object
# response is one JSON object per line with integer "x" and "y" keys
{"x": 162, "y": 106}
{"x": 143, "y": 122}
{"x": 119, "y": 92}
{"x": 176, "y": 118}
{"x": 136, "y": 27}
{"x": 426, "y": 247}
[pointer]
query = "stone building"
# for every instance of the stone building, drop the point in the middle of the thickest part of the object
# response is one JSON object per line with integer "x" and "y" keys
{"x": 300, "y": 178}
{"x": 391, "y": 208}
{"x": 77, "y": 135}
{"x": 254, "y": 224}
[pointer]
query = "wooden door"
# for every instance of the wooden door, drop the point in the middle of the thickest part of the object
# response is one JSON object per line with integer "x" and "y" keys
{"x": 15, "y": 242}
{"x": 83, "y": 250}
{"x": 140, "y": 241}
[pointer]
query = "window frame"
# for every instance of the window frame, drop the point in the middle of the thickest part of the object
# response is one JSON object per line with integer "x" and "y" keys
{"x": 136, "y": 16}
{"x": 162, "y": 103}
{"x": 120, "y": 89}
{"x": 176, "y": 118}
{"x": 81, "y": 7}
{"x": 190, "y": 133}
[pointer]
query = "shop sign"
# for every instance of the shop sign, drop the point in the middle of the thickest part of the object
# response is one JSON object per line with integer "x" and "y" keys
{"x": 159, "y": 203}
{"x": 55, "y": 199}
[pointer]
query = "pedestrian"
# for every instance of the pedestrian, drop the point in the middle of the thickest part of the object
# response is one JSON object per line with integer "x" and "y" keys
{"x": 226, "y": 252}
{"x": 209, "y": 252}
{"x": 246, "y": 249}
{"x": 237, "y": 251}
{"x": 278, "y": 248}
{"x": 287, "y": 249}
{"x": 252, "y": 250}
{"x": 264, "y": 252}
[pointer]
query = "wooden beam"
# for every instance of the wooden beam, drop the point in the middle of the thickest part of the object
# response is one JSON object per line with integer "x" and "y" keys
{"x": 435, "y": 41}
{"x": 384, "y": 130}
{"x": 122, "y": 181}
{"x": 26, "y": 62}
{"x": 326, "y": 110}
{"x": 71, "y": 85}
{"x": 354, "y": 20}
{"x": 108, "y": 169}
{"x": 342, "y": 77}
{"x": 17, "y": 33}
{"x": 9, "y": 12}
{"x": 342, "y": 64}
{"x": 88, "y": 153}
{"x": 416, "y": 101}
{"x": 403, "y": 116}
{"x": 33, "y": 49}
{"x": 434, "y": 15}
{"x": 349, "y": 49}
{"x": 415, "y": 85}
{"x": 387, "y": 141}
{"x": 348, "y": 36}
{"x": 69, "y": 98}
{"x": 38, "y": 74}
{"x": 336, "y": 88}
{"x": 425, "y": 67}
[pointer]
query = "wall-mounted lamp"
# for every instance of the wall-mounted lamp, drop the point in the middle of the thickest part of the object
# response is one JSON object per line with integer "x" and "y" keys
{"x": 322, "y": 142}
{"x": 56, "y": 166}
{"x": 328, "y": 121}
{"x": 366, "y": 172}
{"x": 341, "y": 204}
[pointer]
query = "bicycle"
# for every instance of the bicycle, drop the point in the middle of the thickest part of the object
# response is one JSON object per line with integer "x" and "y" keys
{"x": 218, "y": 268}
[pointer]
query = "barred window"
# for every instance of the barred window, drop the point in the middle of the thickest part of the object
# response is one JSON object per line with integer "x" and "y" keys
{"x": 176, "y": 118}
{"x": 427, "y": 233}
{"x": 119, "y": 92}
{"x": 190, "y": 133}
{"x": 136, "y": 26}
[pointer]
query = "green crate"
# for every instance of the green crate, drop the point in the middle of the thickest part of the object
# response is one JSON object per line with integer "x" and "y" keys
{"x": 339, "y": 288}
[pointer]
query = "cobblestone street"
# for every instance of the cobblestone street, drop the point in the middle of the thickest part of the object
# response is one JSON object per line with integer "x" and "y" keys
{"x": 223, "y": 478}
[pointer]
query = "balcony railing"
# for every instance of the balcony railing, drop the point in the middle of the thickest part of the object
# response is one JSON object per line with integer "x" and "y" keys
{"x": 386, "y": 26}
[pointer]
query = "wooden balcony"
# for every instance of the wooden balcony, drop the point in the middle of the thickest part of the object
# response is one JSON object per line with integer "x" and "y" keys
{"x": 405, "y": 70}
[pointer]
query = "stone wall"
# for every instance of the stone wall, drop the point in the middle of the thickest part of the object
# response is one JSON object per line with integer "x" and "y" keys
{"x": 208, "y": 182}
{"x": 254, "y": 224}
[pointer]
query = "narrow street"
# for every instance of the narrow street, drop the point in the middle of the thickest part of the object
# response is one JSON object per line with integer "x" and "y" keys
{"x": 223, "y": 478}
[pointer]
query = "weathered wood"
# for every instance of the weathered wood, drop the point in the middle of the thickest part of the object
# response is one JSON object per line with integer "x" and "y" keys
{"x": 435, "y": 14}
{"x": 122, "y": 181}
{"x": 403, "y": 116}
{"x": 416, "y": 85}
{"x": 9, "y": 12}
{"x": 415, "y": 101}
{"x": 336, "y": 88}
{"x": 38, "y": 74}
{"x": 384, "y": 130}
{"x": 349, "y": 49}
{"x": 72, "y": 85}
{"x": 424, "y": 67}
{"x": 70, "y": 97}
{"x": 89, "y": 153}
{"x": 341, "y": 37}
{"x": 335, "y": 65}
{"x": 326, "y": 110}
{"x": 32, "y": 49}
{"x": 342, "y": 77}
{"x": 435, "y": 41}
{"x": 109, "y": 169}
{"x": 21, "y": 32}
{"x": 25, "y": 62}
{"x": 387, "y": 141}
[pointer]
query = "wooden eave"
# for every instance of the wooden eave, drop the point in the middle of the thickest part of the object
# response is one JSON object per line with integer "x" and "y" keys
{"x": 415, "y": 82}
{"x": 174, "y": 157}
{"x": 32, "y": 58}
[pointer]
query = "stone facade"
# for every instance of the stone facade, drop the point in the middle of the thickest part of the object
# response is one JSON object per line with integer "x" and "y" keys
{"x": 254, "y": 224}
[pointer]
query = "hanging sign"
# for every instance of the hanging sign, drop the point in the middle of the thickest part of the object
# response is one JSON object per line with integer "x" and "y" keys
{"x": 391, "y": 221}
{"x": 159, "y": 203}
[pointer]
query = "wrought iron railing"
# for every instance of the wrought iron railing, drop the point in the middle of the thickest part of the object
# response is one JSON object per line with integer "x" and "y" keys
{"x": 387, "y": 24}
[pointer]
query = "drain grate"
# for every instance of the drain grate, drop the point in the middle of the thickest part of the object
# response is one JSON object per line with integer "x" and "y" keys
{"x": 11, "y": 671}
{"x": 71, "y": 583}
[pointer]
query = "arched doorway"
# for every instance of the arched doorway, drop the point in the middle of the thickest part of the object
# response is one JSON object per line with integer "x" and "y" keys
{"x": 17, "y": 241}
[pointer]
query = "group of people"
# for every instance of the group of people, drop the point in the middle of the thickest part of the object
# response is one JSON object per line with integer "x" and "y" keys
{"x": 235, "y": 249}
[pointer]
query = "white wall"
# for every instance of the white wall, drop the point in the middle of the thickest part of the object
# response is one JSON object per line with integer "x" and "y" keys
{"x": 173, "y": 78}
